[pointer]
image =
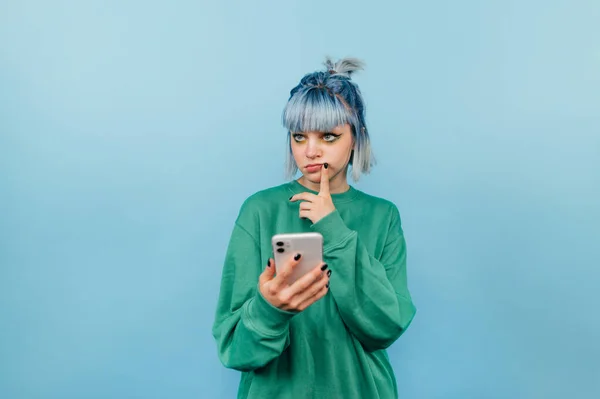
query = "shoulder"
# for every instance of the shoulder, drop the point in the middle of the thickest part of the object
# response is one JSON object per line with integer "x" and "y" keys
{"x": 263, "y": 202}
{"x": 263, "y": 198}
{"x": 378, "y": 203}
{"x": 385, "y": 210}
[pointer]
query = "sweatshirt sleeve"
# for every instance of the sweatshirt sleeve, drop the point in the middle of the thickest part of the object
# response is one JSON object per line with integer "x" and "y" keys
{"x": 249, "y": 331}
{"x": 371, "y": 294}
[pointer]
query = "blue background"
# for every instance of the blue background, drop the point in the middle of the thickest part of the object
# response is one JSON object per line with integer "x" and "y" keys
{"x": 131, "y": 132}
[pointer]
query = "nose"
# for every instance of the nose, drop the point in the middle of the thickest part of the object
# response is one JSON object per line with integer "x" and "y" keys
{"x": 312, "y": 149}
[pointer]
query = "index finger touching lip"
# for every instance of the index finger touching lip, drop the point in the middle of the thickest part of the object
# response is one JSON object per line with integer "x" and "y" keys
{"x": 324, "y": 183}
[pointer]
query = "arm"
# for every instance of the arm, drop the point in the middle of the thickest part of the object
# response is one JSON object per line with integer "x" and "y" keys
{"x": 371, "y": 294}
{"x": 249, "y": 331}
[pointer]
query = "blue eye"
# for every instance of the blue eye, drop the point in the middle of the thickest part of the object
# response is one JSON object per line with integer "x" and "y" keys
{"x": 330, "y": 137}
{"x": 298, "y": 137}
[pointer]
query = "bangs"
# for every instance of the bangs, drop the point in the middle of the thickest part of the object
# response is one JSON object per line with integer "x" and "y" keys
{"x": 315, "y": 110}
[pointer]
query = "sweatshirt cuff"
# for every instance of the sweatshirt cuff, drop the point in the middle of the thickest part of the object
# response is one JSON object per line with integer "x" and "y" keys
{"x": 332, "y": 228}
{"x": 267, "y": 318}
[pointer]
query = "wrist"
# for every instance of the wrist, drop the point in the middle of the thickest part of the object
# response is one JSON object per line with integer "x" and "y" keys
{"x": 332, "y": 228}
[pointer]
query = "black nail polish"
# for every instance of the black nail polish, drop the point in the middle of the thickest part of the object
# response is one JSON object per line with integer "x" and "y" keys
{"x": 326, "y": 165}
{"x": 327, "y": 285}
{"x": 328, "y": 273}
{"x": 269, "y": 263}
{"x": 324, "y": 267}
{"x": 297, "y": 256}
{"x": 290, "y": 198}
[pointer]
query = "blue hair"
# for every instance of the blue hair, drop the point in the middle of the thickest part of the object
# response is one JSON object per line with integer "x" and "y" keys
{"x": 325, "y": 99}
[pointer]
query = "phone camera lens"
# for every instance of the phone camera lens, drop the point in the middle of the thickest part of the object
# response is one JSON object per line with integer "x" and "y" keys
{"x": 280, "y": 250}
{"x": 279, "y": 243}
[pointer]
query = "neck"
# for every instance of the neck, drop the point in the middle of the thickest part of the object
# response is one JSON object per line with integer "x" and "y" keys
{"x": 337, "y": 184}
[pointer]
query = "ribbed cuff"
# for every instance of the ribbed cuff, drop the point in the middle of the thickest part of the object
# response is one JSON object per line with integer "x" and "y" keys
{"x": 332, "y": 228}
{"x": 266, "y": 317}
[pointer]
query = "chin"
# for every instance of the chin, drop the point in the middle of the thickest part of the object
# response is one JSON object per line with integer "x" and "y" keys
{"x": 312, "y": 179}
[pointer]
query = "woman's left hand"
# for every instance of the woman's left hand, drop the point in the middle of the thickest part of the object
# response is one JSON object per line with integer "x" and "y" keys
{"x": 316, "y": 206}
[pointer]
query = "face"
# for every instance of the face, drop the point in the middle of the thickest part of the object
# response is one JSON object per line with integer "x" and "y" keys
{"x": 312, "y": 149}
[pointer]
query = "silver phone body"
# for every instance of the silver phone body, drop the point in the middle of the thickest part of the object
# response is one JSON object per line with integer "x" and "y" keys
{"x": 309, "y": 245}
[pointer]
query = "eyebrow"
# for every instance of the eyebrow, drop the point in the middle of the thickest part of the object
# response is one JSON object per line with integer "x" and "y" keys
{"x": 321, "y": 133}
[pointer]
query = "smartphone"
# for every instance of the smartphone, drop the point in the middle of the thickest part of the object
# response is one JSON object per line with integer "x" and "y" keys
{"x": 309, "y": 245}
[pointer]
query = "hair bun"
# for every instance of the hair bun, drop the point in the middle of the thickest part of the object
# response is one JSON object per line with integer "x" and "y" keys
{"x": 344, "y": 67}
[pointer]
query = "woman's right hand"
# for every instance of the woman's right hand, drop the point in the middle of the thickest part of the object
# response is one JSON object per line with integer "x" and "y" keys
{"x": 301, "y": 294}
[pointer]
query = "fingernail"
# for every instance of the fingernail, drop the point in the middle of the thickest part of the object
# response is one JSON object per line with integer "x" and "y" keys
{"x": 326, "y": 165}
{"x": 327, "y": 285}
{"x": 328, "y": 273}
{"x": 290, "y": 198}
{"x": 324, "y": 267}
{"x": 269, "y": 263}
{"x": 297, "y": 256}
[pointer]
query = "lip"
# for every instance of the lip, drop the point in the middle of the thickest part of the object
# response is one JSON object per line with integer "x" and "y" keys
{"x": 313, "y": 167}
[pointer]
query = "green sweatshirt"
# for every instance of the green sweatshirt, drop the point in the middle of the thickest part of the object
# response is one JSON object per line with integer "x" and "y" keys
{"x": 336, "y": 348}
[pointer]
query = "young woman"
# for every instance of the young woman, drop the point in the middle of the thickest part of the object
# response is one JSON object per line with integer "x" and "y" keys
{"x": 325, "y": 335}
